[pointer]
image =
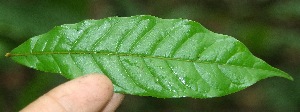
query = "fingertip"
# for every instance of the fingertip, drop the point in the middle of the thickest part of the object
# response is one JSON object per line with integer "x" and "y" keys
{"x": 98, "y": 78}
{"x": 114, "y": 102}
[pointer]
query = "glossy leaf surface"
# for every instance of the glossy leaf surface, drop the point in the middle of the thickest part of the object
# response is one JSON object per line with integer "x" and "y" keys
{"x": 148, "y": 56}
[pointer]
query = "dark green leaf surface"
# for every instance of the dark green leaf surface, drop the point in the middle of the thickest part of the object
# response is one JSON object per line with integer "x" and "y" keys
{"x": 148, "y": 56}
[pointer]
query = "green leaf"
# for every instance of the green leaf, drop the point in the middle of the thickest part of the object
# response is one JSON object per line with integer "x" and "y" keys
{"x": 148, "y": 56}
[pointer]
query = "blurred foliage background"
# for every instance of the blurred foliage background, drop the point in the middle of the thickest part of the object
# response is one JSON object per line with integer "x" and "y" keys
{"x": 269, "y": 28}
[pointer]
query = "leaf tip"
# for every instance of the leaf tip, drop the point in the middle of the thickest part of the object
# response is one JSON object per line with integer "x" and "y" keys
{"x": 290, "y": 78}
{"x": 8, "y": 55}
{"x": 287, "y": 76}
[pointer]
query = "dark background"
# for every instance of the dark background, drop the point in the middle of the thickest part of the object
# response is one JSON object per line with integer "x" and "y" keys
{"x": 269, "y": 28}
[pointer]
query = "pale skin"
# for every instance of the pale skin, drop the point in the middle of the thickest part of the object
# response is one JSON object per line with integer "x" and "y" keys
{"x": 89, "y": 93}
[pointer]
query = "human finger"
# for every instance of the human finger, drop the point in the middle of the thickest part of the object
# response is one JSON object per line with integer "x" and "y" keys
{"x": 88, "y": 93}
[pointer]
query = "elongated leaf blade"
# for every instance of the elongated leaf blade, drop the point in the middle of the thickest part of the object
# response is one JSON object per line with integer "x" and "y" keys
{"x": 148, "y": 56}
